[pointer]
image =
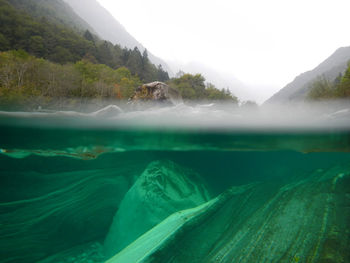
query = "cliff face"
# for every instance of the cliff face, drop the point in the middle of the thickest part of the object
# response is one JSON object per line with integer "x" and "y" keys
{"x": 297, "y": 90}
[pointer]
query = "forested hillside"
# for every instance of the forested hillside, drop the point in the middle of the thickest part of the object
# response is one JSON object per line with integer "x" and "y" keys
{"x": 44, "y": 62}
{"x": 299, "y": 88}
{"x": 323, "y": 88}
{"x": 28, "y": 82}
{"x": 98, "y": 17}
{"x": 58, "y": 43}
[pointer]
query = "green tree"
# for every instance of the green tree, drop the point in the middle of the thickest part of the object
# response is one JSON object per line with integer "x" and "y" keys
{"x": 321, "y": 89}
{"x": 145, "y": 59}
{"x": 193, "y": 87}
{"x": 214, "y": 93}
{"x": 88, "y": 36}
{"x": 4, "y": 43}
{"x": 105, "y": 53}
{"x": 61, "y": 55}
{"x": 37, "y": 46}
{"x": 162, "y": 75}
{"x": 135, "y": 62}
{"x": 343, "y": 88}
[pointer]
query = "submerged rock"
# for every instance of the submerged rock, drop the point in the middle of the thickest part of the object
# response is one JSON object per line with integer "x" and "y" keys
{"x": 162, "y": 189}
{"x": 49, "y": 213}
{"x": 304, "y": 221}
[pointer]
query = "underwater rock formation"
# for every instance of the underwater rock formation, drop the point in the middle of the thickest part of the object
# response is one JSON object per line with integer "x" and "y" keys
{"x": 162, "y": 189}
{"x": 48, "y": 213}
{"x": 307, "y": 220}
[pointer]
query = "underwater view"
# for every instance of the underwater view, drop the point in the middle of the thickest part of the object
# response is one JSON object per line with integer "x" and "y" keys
{"x": 175, "y": 184}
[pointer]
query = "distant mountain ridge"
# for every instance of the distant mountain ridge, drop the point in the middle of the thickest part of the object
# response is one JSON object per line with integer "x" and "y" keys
{"x": 108, "y": 28}
{"x": 298, "y": 89}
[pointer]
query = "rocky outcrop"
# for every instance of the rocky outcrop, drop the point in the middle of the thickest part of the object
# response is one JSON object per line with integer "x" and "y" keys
{"x": 162, "y": 189}
{"x": 304, "y": 221}
{"x": 155, "y": 92}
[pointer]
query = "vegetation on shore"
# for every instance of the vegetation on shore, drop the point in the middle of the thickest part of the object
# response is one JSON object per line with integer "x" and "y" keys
{"x": 193, "y": 87}
{"x": 323, "y": 89}
{"x": 28, "y": 82}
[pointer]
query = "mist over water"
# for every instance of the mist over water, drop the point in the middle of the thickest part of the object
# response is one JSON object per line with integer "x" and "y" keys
{"x": 180, "y": 127}
{"x": 219, "y": 116}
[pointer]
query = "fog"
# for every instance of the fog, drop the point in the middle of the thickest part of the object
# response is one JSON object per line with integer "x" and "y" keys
{"x": 197, "y": 116}
{"x": 264, "y": 44}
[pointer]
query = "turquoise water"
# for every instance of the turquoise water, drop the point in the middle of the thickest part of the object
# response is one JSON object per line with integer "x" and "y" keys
{"x": 83, "y": 193}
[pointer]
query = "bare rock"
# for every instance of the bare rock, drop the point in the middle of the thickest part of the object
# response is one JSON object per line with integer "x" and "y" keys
{"x": 156, "y": 92}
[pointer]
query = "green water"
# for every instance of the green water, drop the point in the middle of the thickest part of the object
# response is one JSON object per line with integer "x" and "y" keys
{"x": 62, "y": 186}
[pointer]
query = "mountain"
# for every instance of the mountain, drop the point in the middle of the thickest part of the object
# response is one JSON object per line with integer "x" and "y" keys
{"x": 51, "y": 30}
{"x": 56, "y": 11}
{"x": 298, "y": 89}
{"x": 35, "y": 26}
{"x": 108, "y": 28}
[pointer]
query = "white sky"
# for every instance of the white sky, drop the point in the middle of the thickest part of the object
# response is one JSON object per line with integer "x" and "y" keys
{"x": 264, "y": 43}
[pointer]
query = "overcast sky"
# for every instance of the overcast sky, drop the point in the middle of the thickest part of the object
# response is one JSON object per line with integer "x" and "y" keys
{"x": 265, "y": 43}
